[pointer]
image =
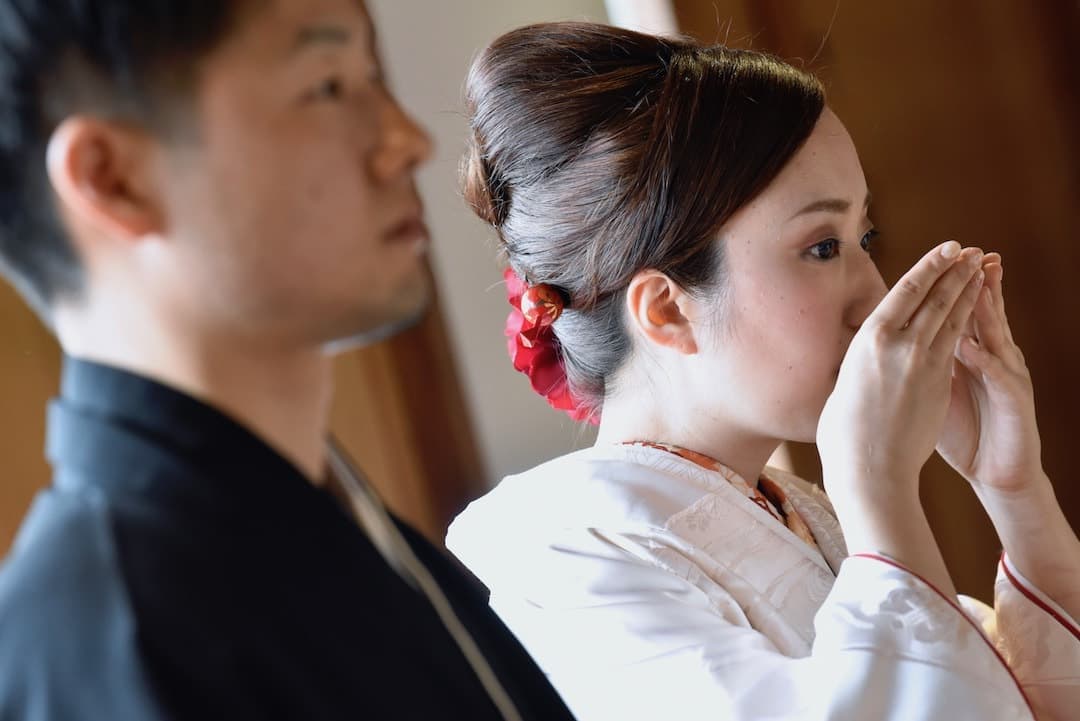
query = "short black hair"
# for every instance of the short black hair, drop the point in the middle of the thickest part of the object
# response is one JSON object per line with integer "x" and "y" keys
{"x": 121, "y": 59}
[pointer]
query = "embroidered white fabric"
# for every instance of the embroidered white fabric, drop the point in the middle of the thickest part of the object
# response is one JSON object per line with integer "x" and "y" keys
{"x": 648, "y": 588}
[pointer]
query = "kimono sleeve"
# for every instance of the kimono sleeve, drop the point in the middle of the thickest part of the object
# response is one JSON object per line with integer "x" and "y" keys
{"x": 1037, "y": 638}
{"x": 623, "y": 639}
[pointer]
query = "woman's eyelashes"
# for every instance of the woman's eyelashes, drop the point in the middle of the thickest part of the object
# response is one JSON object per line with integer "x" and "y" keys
{"x": 825, "y": 250}
{"x": 868, "y": 240}
{"x": 830, "y": 247}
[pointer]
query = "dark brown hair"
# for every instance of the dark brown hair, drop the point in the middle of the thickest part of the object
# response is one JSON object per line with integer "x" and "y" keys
{"x": 598, "y": 152}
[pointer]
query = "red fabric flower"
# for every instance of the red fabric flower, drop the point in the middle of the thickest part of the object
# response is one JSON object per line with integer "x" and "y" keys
{"x": 533, "y": 347}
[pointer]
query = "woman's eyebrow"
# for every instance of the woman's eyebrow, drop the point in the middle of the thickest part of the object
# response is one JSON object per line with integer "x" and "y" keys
{"x": 830, "y": 205}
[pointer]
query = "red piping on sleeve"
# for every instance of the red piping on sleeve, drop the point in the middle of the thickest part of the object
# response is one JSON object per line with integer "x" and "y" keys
{"x": 1038, "y": 601}
{"x": 889, "y": 561}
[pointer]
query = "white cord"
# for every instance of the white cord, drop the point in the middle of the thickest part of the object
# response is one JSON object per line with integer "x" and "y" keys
{"x": 393, "y": 547}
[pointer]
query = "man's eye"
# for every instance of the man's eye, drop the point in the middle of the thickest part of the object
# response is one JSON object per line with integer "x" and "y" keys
{"x": 329, "y": 89}
{"x": 867, "y": 241}
{"x": 826, "y": 249}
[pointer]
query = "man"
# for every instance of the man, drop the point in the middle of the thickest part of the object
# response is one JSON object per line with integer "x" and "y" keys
{"x": 201, "y": 197}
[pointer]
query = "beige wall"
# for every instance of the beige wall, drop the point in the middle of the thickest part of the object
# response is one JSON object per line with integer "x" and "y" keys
{"x": 427, "y": 48}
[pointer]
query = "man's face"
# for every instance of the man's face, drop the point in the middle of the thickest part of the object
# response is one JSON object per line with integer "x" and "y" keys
{"x": 293, "y": 211}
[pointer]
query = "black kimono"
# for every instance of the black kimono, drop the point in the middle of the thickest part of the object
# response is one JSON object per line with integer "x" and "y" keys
{"x": 179, "y": 568}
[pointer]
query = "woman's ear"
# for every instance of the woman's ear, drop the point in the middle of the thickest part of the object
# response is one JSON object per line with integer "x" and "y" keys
{"x": 657, "y": 307}
{"x": 102, "y": 174}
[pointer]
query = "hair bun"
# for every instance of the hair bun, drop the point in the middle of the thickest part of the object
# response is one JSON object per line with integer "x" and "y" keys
{"x": 485, "y": 194}
{"x": 597, "y": 152}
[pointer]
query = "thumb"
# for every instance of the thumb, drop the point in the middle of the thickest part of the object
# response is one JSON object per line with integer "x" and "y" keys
{"x": 979, "y": 360}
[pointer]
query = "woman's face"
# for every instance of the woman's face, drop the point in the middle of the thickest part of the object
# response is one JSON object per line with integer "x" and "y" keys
{"x": 799, "y": 283}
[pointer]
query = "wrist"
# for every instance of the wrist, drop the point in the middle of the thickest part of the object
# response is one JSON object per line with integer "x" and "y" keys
{"x": 1037, "y": 537}
{"x": 874, "y": 522}
{"x": 871, "y": 492}
{"x": 1025, "y": 508}
{"x": 882, "y": 514}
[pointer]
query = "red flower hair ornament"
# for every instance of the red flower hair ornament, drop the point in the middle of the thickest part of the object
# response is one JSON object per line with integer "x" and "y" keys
{"x": 533, "y": 347}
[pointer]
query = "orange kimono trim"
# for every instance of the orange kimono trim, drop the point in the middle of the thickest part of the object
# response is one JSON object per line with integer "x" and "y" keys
{"x": 767, "y": 494}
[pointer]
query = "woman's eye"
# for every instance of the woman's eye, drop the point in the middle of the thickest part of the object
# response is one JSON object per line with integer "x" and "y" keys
{"x": 329, "y": 89}
{"x": 826, "y": 249}
{"x": 867, "y": 241}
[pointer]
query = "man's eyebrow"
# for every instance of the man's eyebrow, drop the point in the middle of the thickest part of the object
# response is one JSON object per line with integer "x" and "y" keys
{"x": 830, "y": 205}
{"x": 320, "y": 35}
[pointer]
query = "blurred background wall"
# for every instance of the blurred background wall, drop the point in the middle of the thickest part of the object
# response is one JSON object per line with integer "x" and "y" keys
{"x": 967, "y": 119}
{"x": 427, "y": 48}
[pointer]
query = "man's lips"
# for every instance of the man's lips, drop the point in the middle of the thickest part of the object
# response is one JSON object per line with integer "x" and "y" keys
{"x": 409, "y": 230}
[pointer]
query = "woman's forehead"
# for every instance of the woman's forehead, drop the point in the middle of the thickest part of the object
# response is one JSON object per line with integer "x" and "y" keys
{"x": 826, "y": 167}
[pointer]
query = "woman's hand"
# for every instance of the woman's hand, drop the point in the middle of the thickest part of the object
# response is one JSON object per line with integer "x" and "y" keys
{"x": 990, "y": 434}
{"x": 990, "y": 437}
{"x": 884, "y": 417}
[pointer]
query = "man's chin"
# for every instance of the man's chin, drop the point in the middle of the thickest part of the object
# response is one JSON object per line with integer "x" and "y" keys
{"x": 394, "y": 324}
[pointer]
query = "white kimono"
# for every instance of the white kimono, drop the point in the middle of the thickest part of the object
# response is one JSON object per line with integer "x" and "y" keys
{"x": 648, "y": 587}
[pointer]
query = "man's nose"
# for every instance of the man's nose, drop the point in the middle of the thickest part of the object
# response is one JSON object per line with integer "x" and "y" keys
{"x": 405, "y": 144}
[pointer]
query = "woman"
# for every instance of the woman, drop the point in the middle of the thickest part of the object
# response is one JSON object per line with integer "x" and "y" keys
{"x": 688, "y": 239}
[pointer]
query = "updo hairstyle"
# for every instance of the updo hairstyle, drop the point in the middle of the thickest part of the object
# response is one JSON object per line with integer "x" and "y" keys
{"x": 598, "y": 152}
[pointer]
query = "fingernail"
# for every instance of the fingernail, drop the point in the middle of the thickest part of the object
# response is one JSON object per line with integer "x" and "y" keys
{"x": 950, "y": 250}
{"x": 980, "y": 277}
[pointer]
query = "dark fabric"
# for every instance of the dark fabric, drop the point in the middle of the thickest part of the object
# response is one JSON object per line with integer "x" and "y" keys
{"x": 179, "y": 568}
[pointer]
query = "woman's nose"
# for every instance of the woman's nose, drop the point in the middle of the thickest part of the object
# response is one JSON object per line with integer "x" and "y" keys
{"x": 869, "y": 291}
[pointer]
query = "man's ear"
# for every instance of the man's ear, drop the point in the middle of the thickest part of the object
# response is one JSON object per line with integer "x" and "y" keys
{"x": 657, "y": 308}
{"x": 103, "y": 175}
